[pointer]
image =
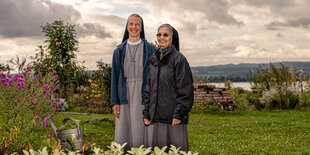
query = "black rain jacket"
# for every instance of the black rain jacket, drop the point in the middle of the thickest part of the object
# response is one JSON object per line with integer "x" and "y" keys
{"x": 169, "y": 92}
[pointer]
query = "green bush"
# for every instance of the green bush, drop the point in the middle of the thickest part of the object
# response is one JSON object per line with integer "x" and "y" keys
{"x": 26, "y": 101}
{"x": 304, "y": 100}
{"x": 203, "y": 105}
{"x": 280, "y": 99}
{"x": 239, "y": 96}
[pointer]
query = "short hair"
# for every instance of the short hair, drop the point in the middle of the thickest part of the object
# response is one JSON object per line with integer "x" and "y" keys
{"x": 166, "y": 25}
{"x": 135, "y": 15}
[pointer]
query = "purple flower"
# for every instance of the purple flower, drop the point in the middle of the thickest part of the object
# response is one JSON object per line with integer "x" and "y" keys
{"x": 29, "y": 69}
{"x": 45, "y": 122}
{"x": 20, "y": 85}
{"x": 52, "y": 118}
{"x": 37, "y": 117}
{"x": 51, "y": 133}
{"x": 40, "y": 73}
{"x": 57, "y": 106}
{"x": 6, "y": 84}
{"x": 57, "y": 99}
{"x": 34, "y": 112}
{"x": 46, "y": 86}
{"x": 31, "y": 100}
{"x": 0, "y": 70}
{"x": 18, "y": 97}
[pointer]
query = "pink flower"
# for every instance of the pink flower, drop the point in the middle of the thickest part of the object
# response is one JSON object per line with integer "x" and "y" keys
{"x": 37, "y": 117}
{"x": 49, "y": 68}
{"x": 51, "y": 133}
{"x": 52, "y": 118}
{"x": 45, "y": 122}
{"x": 57, "y": 43}
{"x": 34, "y": 112}
{"x": 56, "y": 39}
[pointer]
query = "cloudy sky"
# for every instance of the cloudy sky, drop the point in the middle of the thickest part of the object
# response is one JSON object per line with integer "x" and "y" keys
{"x": 211, "y": 31}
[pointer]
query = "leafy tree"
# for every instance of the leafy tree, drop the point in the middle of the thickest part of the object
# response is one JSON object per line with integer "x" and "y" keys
{"x": 58, "y": 53}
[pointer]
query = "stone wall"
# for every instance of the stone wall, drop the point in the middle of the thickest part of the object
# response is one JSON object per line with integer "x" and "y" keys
{"x": 220, "y": 96}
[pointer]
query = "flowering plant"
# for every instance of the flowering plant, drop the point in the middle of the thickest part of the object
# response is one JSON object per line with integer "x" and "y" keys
{"x": 26, "y": 101}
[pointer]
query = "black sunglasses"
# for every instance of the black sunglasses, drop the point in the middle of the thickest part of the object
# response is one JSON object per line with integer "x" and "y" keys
{"x": 164, "y": 35}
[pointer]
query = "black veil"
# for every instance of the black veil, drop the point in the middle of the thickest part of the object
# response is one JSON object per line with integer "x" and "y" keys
{"x": 126, "y": 34}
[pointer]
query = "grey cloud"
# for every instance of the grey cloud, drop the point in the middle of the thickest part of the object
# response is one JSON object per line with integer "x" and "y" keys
{"x": 23, "y": 18}
{"x": 111, "y": 19}
{"x": 212, "y": 10}
{"x": 270, "y": 3}
{"x": 299, "y": 22}
{"x": 92, "y": 29}
{"x": 279, "y": 35}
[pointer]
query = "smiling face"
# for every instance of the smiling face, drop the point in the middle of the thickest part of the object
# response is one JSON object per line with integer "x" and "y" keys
{"x": 164, "y": 37}
{"x": 134, "y": 27}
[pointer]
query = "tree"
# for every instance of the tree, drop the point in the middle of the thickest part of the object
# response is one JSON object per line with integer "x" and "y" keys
{"x": 58, "y": 53}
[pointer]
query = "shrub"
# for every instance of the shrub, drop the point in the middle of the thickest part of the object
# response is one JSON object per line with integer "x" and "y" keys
{"x": 26, "y": 101}
{"x": 280, "y": 99}
{"x": 202, "y": 105}
{"x": 239, "y": 96}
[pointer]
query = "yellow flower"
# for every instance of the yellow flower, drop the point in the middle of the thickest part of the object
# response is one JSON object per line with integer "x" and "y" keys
{"x": 90, "y": 81}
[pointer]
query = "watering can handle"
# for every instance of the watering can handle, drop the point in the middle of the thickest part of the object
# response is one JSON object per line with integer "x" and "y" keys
{"x": 53, "y": 127}
{"x": 75, "y": 122}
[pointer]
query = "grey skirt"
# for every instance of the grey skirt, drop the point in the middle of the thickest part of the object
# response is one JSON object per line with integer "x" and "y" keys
{"x": 159, "y": 134}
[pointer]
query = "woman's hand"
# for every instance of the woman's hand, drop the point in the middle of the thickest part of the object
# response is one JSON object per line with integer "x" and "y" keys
{"x": 175, "y": 121}
{"x": 116, "y": 110}
{"x": 146, "y": 121}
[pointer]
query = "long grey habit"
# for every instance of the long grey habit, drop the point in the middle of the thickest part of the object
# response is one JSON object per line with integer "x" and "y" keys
{"x": 129, "y": 127}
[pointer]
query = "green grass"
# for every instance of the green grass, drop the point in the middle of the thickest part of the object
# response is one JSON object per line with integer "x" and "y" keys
{"x": 221, "y": 132}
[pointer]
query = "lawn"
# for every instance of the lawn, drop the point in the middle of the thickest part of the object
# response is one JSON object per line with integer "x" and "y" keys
{"x": 221, "y": 132}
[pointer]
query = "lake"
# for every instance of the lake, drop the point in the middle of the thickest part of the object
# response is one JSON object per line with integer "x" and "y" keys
{"x": 244, "y": 85}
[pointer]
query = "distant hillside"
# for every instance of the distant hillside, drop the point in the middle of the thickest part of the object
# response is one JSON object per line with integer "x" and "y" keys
{"x": 239, "y": 72}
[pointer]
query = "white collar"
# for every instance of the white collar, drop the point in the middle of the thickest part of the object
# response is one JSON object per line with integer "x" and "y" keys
{"x": 134, "y": 43}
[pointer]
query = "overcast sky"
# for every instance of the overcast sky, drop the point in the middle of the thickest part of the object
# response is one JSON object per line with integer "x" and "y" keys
{"x": 211, "y": 31}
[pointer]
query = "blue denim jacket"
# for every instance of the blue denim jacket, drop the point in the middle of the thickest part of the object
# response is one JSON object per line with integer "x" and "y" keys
{"x": 118, "y": 80}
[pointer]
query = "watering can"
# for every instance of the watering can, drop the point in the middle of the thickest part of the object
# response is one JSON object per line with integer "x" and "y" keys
{"x": 75, "y": 134}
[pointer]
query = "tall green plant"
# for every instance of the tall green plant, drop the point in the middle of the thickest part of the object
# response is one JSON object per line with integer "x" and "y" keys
{"x": 269, "y": 76}
{"x": 58, "y": 52}
{"x": 102, "y": 78}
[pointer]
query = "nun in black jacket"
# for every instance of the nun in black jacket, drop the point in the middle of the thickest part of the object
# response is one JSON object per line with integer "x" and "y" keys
{"x": 169, "y": 93}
